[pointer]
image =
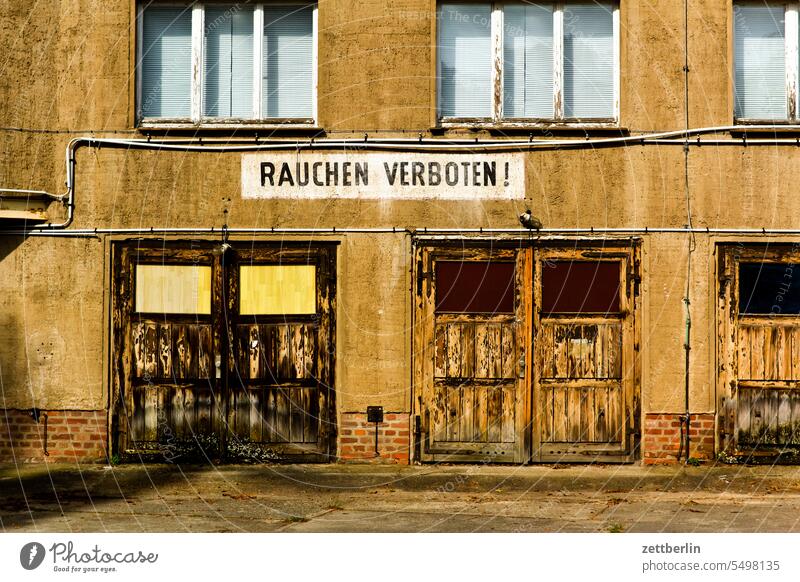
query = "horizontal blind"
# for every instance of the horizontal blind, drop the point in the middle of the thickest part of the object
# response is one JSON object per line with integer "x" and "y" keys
{"x": 166, "y": 66}
{"x": 288, "y": 79}
{"x": 588, "y": 61}
{"x": 465, "y": 60}
{"x": 228, "y": 62}
{"x": 759, "y": 62}
{"x": 528, "y": 60}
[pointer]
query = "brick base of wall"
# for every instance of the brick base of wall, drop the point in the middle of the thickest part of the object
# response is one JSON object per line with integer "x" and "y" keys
{"x": 357, "y": 438}
{"x": 72, "y": 436}
{"x": 662, "y": 433}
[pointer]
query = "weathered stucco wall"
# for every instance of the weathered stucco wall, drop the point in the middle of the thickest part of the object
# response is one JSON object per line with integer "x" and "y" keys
{"x": 374, "y": 323}
{"x": 51, "y": 323}
{"x": 375, "y": 65}
{"x": 664, "y": 324}
{"x": 66, "y": 67}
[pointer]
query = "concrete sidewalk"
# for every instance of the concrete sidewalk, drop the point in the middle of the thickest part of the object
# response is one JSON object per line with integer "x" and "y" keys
{"x": 369, "y": 498}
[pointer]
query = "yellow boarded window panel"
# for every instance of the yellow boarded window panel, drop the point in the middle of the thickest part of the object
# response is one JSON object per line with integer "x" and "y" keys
{"x": 277, "y": 289}
{"x": 173, "y": 289}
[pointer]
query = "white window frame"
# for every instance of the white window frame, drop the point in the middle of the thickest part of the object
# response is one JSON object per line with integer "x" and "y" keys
{"x": 791, "y": 37}
{"x": 198, "y": 31}
{"x": 497, "y": 119}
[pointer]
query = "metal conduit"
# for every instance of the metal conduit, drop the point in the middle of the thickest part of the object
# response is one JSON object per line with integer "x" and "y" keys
{"x": 424, "y": 232}
{"x": 31, "y": 192}
{"x": 404, "y": 144}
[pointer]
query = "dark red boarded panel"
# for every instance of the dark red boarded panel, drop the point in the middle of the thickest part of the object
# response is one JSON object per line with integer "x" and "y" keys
{"x": 474, "y": 287}
{"x": 580, "y": 287}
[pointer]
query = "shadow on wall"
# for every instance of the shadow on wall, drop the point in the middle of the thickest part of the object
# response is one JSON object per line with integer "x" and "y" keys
{"x": 38, "y": 320}
{"x": 32, "y": 359}
{"x": 20, "y": 433}
{"x": 13, "y": 353}
{"x": 10, "y": 243}
{"x": 15, "y": 389}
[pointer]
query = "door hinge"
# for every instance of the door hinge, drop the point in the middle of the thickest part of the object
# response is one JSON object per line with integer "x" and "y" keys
{"x": 423, "y": 275}
{"x": 426, "y": 427}
{"x": 724, "y": 280}
{"x": 635, "y": 279}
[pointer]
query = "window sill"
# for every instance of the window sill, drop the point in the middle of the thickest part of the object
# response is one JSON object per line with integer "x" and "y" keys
{"x": 22, "y": 206}
{"x": 536, "y": 128}
{"x": 268, "y": 127}
{"x": 765, "y": 126}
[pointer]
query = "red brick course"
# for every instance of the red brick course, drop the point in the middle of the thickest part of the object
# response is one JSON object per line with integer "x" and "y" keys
{"x": 662, "y": 433}
{"x": 73, "y": 436}
{"x": 357, "y": 438}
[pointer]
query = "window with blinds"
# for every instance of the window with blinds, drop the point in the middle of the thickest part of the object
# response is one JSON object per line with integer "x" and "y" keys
{"x": 166, "y": 63}
{"x": 228, "y": 62}
{"x": 760, "y": 67}
{"x": 254, "y": 62}
{"x": 465, "y": 60}
{"x": 528, "y": 61}
{"x": 288, "y": 69}
{"x": 588, "y": 61}
{"x": 558, "y": 61}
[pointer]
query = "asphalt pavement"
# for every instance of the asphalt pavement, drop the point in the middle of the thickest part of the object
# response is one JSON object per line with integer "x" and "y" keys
{"x": 381, "y": 498}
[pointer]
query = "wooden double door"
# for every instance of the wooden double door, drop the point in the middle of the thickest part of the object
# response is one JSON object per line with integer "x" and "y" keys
{"x": 759, "y": 351}
{"x": 226, "y": 350}
{"x": 526, "y": 353}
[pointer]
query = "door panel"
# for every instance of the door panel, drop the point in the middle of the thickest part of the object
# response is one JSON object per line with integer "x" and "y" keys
{"x": 469, "y": 350}
{"x": 760, "y": 351}
{"x": 165, "y": 388}
{"x": 172, "y": 382}
{"x": 581, "y": 349}
{"x": 280, "y": 313}
{"x": 768, "y": 389}
{"x": 580, "y": 376}
{"x": 584, "y": 369}
{"x": 581, "y": 413}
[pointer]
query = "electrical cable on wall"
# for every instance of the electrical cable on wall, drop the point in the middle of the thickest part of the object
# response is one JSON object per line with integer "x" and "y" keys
{"x": 685, "y": 421}
{"x": 678, "y": 137}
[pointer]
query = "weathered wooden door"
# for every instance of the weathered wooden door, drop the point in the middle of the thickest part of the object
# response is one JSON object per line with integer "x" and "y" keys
{"x": 585, "y": 402}
{"x": 226, "y": 351}
{"x": 469, "y": 353}
{"x": 281, "y": 344}
{"x": 166, "y": 336}
{"x": 759, "y": 371}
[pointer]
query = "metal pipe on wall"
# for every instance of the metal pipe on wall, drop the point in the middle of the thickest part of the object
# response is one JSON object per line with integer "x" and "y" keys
{"x": 195, "y": 144}
{"x": 31, "y": 192}
{"x": 431, "y": 233}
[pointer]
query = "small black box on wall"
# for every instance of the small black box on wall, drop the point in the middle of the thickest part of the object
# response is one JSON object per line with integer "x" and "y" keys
{"x": 374, "y": 413}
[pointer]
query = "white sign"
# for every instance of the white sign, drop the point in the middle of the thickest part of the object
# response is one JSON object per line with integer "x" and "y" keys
{"x": 378, "y": 175}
